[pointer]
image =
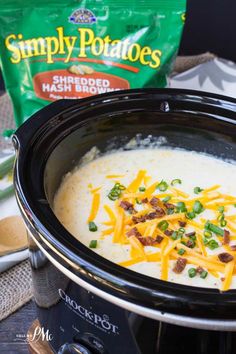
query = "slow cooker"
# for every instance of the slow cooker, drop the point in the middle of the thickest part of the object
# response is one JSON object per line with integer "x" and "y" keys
{"x": 87, "y": 303}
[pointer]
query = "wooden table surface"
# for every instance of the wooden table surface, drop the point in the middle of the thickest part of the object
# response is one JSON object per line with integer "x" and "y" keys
{"x": 14, "y": 328}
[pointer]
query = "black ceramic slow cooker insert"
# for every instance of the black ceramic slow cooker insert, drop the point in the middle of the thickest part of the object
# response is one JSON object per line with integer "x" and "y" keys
{"x": 88, "y": 303}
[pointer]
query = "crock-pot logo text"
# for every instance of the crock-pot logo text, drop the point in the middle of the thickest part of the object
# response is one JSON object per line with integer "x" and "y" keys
{"x": 101, "y": 321}
{"x": 61, "y": 44}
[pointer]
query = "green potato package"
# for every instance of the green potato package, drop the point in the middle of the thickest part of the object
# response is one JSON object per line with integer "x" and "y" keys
{"x": 55, "y": 49}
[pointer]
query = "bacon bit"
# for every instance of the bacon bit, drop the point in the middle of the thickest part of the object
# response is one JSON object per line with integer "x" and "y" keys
{"x": 160, "y": 211}
{"x": 190, "y": 234}
{"x": 169, "y": 206}
{"x": 225, "y": 257}
{"x": 154, "y": 202}
{"x": 147, "y": 241}
{"x": 222, "y": 279}
{"x": 134, "y": 232}
{"x": 233, "y": 247}
{"x": 144, "y": 201}
{"x": 226, "y": 237}
{"x": 168, "y": 232}
{"x": 152, "y": 215}
{"x": 159, "y": 239}
{"x": 127, "y": 206}
{"x": 180, "y": 265}
{"x": 138, "y": 219}
{"x": 182, "y": 223}
{"x": 190, "y": 244}
{"x": 199, "y": 270}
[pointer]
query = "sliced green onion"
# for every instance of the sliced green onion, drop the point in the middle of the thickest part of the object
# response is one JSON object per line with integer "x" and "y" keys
{"x": 192, "y": 272}
{"x": 198, "y": 207}
{"x": 221, "y": 209}
{"x": 181, "y": 207}
{"x": 163, "y": 225}
{"x": 162, "y": 186}
{"x": 142, "y": 189}
{"x": 174, "y": 235}
{"x": 115, "y": 192}
{"x": 166, "y": 199}
{"x": 220, "y": 217}
{"x": 203, "y": 274}
{"x": 214, "y": 228}
{"x": 223, "y": 223}
{"x": 93, "y": 244}
{"x": 207, "y": 234}
{"x": 197, "y": 190}
{"x": 6, "y": 166}
{"x": 138, "y": 201}
{"x": 181, "y": 251}
{"x": 7, "y": 192}
{"x": 92, "y": 226}
{"x": 121, "y": 187}
{"x": 176, "y": 181}
{"x": 193, "y": 237}
{"x": 111, "y": 198}
{"x": 182, "y": 230}
{"x": 190, "y": 215}
{"x": 180, "y": 235}
{"x": 212, "y": 244}
{"x": 205, "y": 241}
{"x": 235, "y": 205}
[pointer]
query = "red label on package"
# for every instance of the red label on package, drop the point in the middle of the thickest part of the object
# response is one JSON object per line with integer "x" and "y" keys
{"x": 78, "y": 82}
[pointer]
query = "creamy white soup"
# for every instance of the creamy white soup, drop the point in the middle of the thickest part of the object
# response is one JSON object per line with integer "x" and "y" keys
{"x": 168, "y": 214}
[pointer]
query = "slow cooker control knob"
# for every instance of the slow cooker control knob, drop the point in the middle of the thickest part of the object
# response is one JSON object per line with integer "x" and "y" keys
{"x": 74, "y": 348}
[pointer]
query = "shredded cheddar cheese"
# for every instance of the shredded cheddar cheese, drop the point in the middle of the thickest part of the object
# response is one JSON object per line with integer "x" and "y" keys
{"x": 130, "y": 262}
{"x": 164, "y": 261}
{"x": 180, "y": 193}
{"x": 137, "y": 181}
{"x": 229, "y": 268}
{"x": 94, "y": 207}
{"x": 110, "y": 213}
{"x": 107, "y": 231}
{"x": 146, "y": 180}
{"x": 170, "y": 247}
{"x": 200, "y": 244}
{"x": 114, "y": 176}
{"x": 154, "y": 257}
{"x": 118, "y": 225}
{"x": 212, "y": 188}
{"x": 95, "y": 190}
{"x": 136, "y": 248}
{"x": 151, "y": 189}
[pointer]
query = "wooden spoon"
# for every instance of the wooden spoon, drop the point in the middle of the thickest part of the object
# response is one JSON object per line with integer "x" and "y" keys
{"x": 13, "y": 236}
